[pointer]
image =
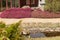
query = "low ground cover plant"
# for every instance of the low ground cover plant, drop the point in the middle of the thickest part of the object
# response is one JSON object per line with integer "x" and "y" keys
{"x": 28, "y": 13}
{"x": 16, "y": 13}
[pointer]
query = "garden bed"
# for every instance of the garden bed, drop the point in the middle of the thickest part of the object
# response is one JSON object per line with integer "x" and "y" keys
{"x": 28, "y": 13}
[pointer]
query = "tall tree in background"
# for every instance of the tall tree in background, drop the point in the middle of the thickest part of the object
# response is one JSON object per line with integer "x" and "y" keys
{"x": 52, "y": 5}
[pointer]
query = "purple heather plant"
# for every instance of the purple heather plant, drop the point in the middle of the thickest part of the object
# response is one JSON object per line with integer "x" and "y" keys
{"x": 16, "y": 13}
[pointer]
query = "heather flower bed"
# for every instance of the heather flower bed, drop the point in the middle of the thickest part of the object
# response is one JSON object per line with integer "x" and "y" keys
{"x": 44, "y": 14}
{"x": 16, "y": 13}
{"x": 28, "y": 13}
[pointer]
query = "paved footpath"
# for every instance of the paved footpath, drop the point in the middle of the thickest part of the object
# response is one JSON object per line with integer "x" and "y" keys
{"x": 29, "y": 20}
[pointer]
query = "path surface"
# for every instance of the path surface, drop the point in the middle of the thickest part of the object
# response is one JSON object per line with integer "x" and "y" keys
{"x": 28, "y": 20}
{"x": 57, "y": 29}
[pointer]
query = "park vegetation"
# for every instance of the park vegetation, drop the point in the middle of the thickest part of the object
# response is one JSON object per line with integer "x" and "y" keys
{"x": 52, "y": 5}
{"x": 11, "y": 32}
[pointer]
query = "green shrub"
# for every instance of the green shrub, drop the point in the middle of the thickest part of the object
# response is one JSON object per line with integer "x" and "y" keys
{"x": 13, "y": 32}
{"x": 2, "y": 25}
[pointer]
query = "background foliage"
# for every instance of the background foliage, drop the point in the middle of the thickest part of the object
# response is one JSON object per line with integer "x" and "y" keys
{"x": 52, "y": 5}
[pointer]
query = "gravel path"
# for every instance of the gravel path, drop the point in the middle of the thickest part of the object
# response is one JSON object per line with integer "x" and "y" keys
{"x": 26, "y": 20}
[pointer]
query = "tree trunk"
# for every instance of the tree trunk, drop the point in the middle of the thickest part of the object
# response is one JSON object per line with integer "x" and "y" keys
{"x": 6, "y": 4}
{"x": 11, "y": 3}
{"x": 19, "y": 3}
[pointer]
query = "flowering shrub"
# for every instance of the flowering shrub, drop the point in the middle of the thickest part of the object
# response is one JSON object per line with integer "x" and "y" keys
{"x": 44, "y": 14}
{"x": 28, "y": 13}
{"x": 16, "y": 13}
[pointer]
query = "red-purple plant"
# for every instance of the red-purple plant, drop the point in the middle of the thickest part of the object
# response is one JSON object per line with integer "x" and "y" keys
{"x": 27, "y": 13}
{"x": 16, "y": 13}
{"x": 44, "y": 14}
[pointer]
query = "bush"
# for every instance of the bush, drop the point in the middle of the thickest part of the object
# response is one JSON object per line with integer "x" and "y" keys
{"x": 2, "y": 25}
{"x": 12, "y": 32}
{"x": 44, "y": 14}
{"x": 16, "y": 13}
